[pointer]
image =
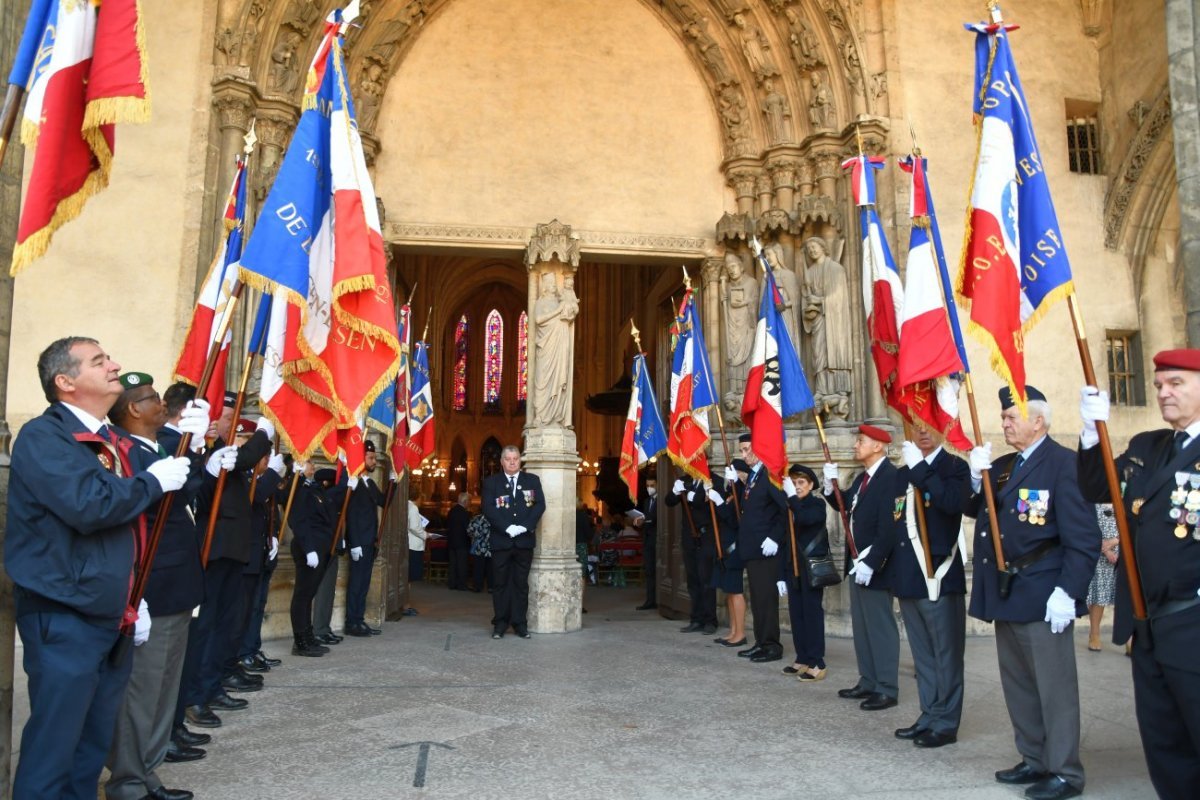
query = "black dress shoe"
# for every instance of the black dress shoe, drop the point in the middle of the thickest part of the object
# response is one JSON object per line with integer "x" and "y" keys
{"x": 909, "y": 733}
{"x": 177, "y": 753}
{"x": 253, "y": 664}
{"x": 250, "y": 676}
{"x": 767, "y": 654}
{"x": 357, "y": 629}
{"x": 498, "y": 633}
{"x": 373, "y": 631}
{"x": 270, "y": 662}
{"x": 201, "y": 716}
{"x": 181, "y": 734}
{"x": 1052, "y": 787}
{"x": 238, "y": 683}
{"x": 853, "y": 693}
{"x": 935, "y": 739}
{"x": 728, "y": 643}
{"x": 522, "y": 631}
{"x": 227, "y": 703}
{"x": 691, "y": 627}
{"x": 751, "y": 652}
{"x": 646, "y": 606}
{"x": 328, "y": 638}
{"x": 163, "y": 793}
{"x": 1021, "y": 773}
{"x": 877, "y": 702}
{"x": 709, "y": 630}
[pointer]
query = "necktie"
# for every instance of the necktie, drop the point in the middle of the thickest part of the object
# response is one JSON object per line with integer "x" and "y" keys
{"x": 1017, "y": 464}
{"x": 512, "y": 486}
{"x": 104, "y": 433}
{"x": 866, "y": 480}
{"x": 1181, "y": 438}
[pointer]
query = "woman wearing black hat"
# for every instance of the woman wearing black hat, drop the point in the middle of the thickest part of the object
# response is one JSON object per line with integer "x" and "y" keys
{"x": 804, "y": 602}
{"x": 727, "y": 575}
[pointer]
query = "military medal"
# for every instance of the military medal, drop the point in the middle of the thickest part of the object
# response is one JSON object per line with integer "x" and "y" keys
{"x": 1023, "y": 504}
{"x": 1137, "y": 506}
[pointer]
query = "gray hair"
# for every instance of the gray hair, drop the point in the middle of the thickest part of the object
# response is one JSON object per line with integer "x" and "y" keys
{"x": 463, "y": 499}
{"x": 57, "y": 360}
{"x": 510, "y": 448}
{"x": 1040, "y": 408}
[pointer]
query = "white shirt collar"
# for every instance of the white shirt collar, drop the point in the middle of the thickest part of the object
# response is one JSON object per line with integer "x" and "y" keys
{"x": 153, "y": 445}
{"x": 1028, "y": 451}
{"x": 173, "y": 427}
{"x": 871, "y": 470}
{"x": 1191, "y": 431}
{"x": 929, "y": 458}
{"x": 91, "y": 423}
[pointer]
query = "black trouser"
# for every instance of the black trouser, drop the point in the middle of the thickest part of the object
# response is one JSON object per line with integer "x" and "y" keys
{"x": 252, "y": 639}
{"x": 1167, "y": 701}
{"x": 649, "y": 565}
{"x": 456, "y": 574}
{"x": 246, "y": 612}
{"x": 481, "y": 572}
{"x": 308, "y": 580}
{"x": 808, "y": 621}
{"x": 510, "y": 587}
{"x": 763, "y": 573}
{"x": 698, "y": 564}
{"x": 358, "y": 585}
{"x": 212, "y": 633}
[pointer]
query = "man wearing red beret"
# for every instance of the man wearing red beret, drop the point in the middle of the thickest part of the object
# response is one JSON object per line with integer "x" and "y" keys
{"x": 872, "y": 499}
{"x": 1161, "y": 470}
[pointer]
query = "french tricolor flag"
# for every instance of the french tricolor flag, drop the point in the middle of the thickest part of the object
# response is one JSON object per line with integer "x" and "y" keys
{"x": 645, "y": 435}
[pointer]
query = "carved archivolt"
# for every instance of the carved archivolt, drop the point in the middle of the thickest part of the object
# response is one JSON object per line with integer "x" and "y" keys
{"x": 1126, "y": 180}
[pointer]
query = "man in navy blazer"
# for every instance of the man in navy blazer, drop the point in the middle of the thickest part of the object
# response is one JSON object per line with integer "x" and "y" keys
{"x": 512, "y": 504}
{"x": 1051, "y": 543}
{"x": 761, "y": 531}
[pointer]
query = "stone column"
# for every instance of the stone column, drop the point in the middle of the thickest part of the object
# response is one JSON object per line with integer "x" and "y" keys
{"x": 1182, "y": 37}
{"x": 555, "y": 591}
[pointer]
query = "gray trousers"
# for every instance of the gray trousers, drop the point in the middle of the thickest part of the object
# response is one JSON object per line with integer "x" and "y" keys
{"x": 1041, "y": 690}
{"x": 876, "y": 640}
{"x": 143, "y": 728}
{"x": 937, "y": 632}
{"x": 323, "y": 602}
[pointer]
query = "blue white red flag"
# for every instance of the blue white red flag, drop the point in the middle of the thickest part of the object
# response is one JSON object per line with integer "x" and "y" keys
{"x": 928, "y": 364}
{"x": 317, "y": 247}
{"x": 84, "y": 70}
{"x": 776, "y": 386}
{"x": 1014, "y": 261}
{"x": 382, "y": 416}
{"x": 212, "y": 302}
{"x": 420, "y": 443}
{"x": 645, "y": 435}
{"x": 883, "y": 294}
{"x": 692, "y": 393}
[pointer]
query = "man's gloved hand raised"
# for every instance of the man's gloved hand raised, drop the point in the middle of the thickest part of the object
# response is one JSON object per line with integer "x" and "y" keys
{"x": 171, "y": 473}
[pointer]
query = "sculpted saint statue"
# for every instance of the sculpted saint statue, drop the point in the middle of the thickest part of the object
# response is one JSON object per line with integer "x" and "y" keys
{"x": 755, "y": 48}
{"x": 741, "y": 317}
{"x": 778, "y": 113}
{"x": 820, "y": 108}
{"x": 554, "y": 316}
{"x": 789, "y": 290}
{"x": 827, "y": 321}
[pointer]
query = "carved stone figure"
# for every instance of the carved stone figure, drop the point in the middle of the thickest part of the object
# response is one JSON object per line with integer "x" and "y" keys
{"x": 554, "y": 316}
{"x": 285, "y": 73}
{"x": 789, "y": 290}
{"x": 733, "y": 115}
{"x": 827, "y": 321}
{"x": 710, "y": 53}
{"x": 369, "y": 94}
{"x": 778, "y": 113}
{"x": 741, "y": 318}
{"x": 806, "y": 52}
{"x": 756, "y": 49}
{"x": 228, "y": 42}
{"x": 820, "y": 108}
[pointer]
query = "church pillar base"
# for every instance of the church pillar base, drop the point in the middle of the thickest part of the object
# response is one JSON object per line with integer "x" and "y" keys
{"x": 555, "y": 588}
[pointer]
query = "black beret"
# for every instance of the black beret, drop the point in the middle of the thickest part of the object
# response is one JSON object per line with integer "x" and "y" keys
{"x": 798, "y": 470}
{"x": 740, "y": 465}
{"x": 326, "y": 475}
{"x": 1006, "y": 398}
{"x": 368, "y": 446}
{"x": 745, "y": 437}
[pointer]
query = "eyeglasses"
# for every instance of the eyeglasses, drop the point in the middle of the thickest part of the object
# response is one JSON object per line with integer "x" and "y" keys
{"x": 155, "y": 397}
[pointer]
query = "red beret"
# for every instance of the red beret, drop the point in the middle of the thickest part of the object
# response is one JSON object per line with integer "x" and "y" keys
{"x": 1177, "y": 359}
{"x": 245, "y": 426}
{"x": 878, "y": 434}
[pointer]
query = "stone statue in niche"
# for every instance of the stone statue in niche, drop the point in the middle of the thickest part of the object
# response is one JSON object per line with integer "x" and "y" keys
{"x": 756, "y": 49}
{"x": 733, "y": 114}
{"x": 789, "y": 290}
{"x": 806, "y": 52}
{"x": 827, "y": 321}
{"x": 285, "y": 72}
{"x": 741, "y": 317}
{"x": 820, "y": 108}
{"x": 554, "y": 316}
{"x": 710, "y": 54}
{"x": 369, "y": 93}
{"x": 778, "y": 113}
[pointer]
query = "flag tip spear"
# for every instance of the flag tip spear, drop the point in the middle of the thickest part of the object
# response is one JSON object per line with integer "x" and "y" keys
{"x": 425, "y": 332}
{"x": 687, "y": 279}
{"x": 913, "y": 133}
{"x": 250, "y": 139}
{"x": 637, "y": 335}
{"x": 411, "y": 293}
{"x": 858, "y": 137}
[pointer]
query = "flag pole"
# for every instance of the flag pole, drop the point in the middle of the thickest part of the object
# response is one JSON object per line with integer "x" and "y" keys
{"x": 8, "y": 116}
{"x": 287, "y": 508}
{"x": 1128, "y": 556}
{"x": 922, "y": 527}
{"x": 837, "y": 492}
{"x": 215, "y": 507}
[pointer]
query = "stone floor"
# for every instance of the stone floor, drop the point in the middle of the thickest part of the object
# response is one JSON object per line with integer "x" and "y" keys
{"x": 626, "y": 708}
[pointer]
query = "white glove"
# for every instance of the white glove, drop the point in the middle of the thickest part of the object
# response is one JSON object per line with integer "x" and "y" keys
{"x": 769, "y": 547}
{"x": 862, "y": 573}
{"x": 716, "y": 498}
{"x": 677, "y": 487}
{"x": 782, "y": 587}
{"x": 352, "y": 482}
{"x": 275, "y": 462}
{"x": 911, "y": 454}
{"x": 312, "y": 560}
{"x": 355, "y": 553}
{"x": 223, "y": 459}
{"x": 691, "y": 496}
{"x": 266, "y": 426}
{"x": 980, "y": 459}
{"x": 829, "y": 474}
{"x": 731, "y": 474}
{"x": 141, "y": 627}
{"x": 274, "y": 549}
{"x": 1060, "y": 610}
{"x": 515, "y": 530}
{"x": 789, "y": 488}
{"x": 171, "y": 473}
{"x": 298, "y": 466}
{"x": 395, "y": 478}
{"x": 1093, "y": 407}
{"x": 194, "y": 420}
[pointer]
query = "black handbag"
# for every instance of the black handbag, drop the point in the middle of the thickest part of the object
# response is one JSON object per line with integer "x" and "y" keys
{"x": 820, "y": 571}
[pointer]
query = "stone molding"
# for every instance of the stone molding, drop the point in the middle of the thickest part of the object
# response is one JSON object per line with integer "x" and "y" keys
{"x": 608, "y": 242}
{"x": 1126, "y": 179}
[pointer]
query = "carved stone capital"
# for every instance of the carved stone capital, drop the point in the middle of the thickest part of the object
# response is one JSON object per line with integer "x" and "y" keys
{"x": 775, "y": 220}
{"x": 742, "y": 180}
{"x": 732, "y": 227}
{"x": 817, "y": 208}
{"x": 710, "y": 271}
{"x": 827, "y": 165}
{"x": 783, "y": 171}
{"x": 234, "y": 105}
{"x": 274, "y": 128}
{"x": 552, "y": 240}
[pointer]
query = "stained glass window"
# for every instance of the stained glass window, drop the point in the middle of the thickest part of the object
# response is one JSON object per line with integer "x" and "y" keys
{"x": 522, "y": 357}
{"x": 493, "y": 364}
{"x": 460, "y": 363}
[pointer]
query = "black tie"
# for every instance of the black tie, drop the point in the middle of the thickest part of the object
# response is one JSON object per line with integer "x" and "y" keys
{"x": 1181, "y": 438}
{"x": 1016, "y": 466}
{"x": 512, "y": 486}
{"x": 104, "y": 433}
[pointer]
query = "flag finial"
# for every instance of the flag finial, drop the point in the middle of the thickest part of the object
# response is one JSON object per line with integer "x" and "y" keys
{"x": 993, "y": 7}
{"x": 411, "y": 293}
{"x": 637, "y": 335}
{"x": 916, "y": 150}
{"x": 425, "y": 332}
{"x": 250, "y": 139}
{"x": 687, "y": 279}
{"x": 858, "y": 137}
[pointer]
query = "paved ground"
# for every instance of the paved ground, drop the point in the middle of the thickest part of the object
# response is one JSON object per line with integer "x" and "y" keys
{"x": 626, "y": 708}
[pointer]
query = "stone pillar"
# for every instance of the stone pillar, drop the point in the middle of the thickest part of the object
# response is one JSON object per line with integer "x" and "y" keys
{"x": 551, "y": 453}
{"x": 1182, "y": 37}
{"x": 742, "y": 181}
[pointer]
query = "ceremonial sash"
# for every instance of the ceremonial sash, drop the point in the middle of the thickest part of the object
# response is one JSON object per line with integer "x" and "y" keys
{"x": 933, "y": 586}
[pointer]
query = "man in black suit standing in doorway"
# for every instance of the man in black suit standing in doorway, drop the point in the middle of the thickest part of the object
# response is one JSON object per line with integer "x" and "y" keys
{"x": 512, "y": 503}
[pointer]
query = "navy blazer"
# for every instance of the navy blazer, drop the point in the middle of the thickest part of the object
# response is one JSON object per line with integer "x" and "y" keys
{"x": 501, "y": 509}
{"x": 70, "y": 537}
{"x": 875, "y": 520}
{"x": 312, "y": 519}
{"x": 809, "y": 518}
{"x": 457, "y": 519}
{"x": 1169, "y": 567}
{"x": 1070, "y": 521}
{"x": 764, "y": 515}
{"x": 941, "y": 488}
{"x": 362, "y": 514}
{"x": 233, "y": 536}
{"x": 698, "y": 512}
{"x": 265, "y": 488}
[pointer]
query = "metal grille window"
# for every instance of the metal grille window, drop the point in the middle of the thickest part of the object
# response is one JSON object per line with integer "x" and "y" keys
{"x": 1125, "y": 384}
{"x": 1083, "y": 145}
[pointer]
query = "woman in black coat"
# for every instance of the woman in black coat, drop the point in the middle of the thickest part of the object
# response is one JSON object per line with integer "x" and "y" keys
{"x": 804, "y": 602}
